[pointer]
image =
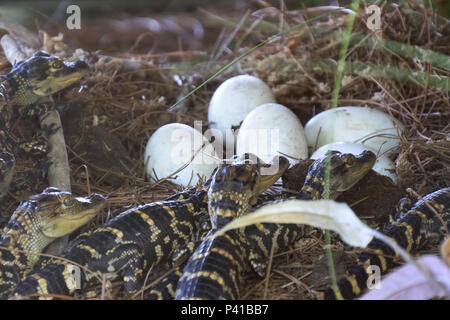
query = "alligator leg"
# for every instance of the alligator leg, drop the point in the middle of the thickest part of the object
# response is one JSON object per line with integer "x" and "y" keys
{"x": 127, "y": 257}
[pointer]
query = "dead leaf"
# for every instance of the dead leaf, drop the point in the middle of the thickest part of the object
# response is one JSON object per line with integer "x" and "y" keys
{"x": 325, "y": 214}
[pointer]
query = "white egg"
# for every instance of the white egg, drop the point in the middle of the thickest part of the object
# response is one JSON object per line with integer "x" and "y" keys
{"x": 272, "y": 129}
{"x": 370, "y": 127}
{"x": 383, "y": 165}
{"x": 171, "y": 147}
{"x": 229, "y": 105}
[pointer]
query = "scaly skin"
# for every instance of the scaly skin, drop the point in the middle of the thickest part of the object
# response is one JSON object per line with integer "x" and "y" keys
{"x": 165, "y": 288}
{"x": 25, "y": 91}
{"x": 411, "y": 229}
{"x": 216, "y": 268}
{"x": 29, "y": 83}
{"x": 152, "y": 235}
{"x": 35, "y": 224}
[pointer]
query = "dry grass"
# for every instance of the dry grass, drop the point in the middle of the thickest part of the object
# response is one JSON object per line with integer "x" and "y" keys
{"x": 129, "y": 95}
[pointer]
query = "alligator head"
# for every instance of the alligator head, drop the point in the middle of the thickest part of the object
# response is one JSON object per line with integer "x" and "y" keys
{"x": 48, "y": 216}
{"x": 236, "y": 186}
{"x": 336, "y": 173}
{"x": 39, "y": 76}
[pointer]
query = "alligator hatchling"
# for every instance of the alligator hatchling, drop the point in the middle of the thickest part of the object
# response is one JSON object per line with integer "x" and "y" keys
{"x": 230, "y": 195}
{"x": 36, "y": 223}
{"x": 215, "y": 270}
{"x": 412, "y": 228}
{"x": 26, "y": 91}
{"x": 148, "y": 237}
{"x": 148, "y": 240}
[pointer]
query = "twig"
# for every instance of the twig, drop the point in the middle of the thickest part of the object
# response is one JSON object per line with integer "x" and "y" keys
{"x": 102, "y": 297}
{"x": 247, "y": 53}
{"x": 59, "y": 170}
{"x": 295, "y": 280}
{"x": 184, "y": 166}
{"x": 269, "y": 266}
{"x": 155, "y": 282}
{"x": 51, "y": 295}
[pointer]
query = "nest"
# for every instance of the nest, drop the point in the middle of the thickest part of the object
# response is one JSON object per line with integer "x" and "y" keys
{"x": 126, "y": 97}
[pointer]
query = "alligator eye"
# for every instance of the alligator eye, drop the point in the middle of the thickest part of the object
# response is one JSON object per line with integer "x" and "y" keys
{"x": 349, "y": 160}
{"x": 68, "y": 202}
{"x": 57, "y": 64}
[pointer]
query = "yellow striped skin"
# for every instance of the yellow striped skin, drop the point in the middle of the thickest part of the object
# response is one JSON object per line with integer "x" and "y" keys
{"x": 25, "y": 92}
{"x": 126, "y": 246}
{"x": 36, "y": 223}
{"x": 216, "y": 268}
{"x": 411, "y": 229}
{"x": 150, "y": 236}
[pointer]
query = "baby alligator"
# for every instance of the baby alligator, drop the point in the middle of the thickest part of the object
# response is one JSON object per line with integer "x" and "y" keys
{"x": 234, "y": 189}
{"x": 24, "y": 88}
{"x": 35, "y": 224}
{"x": 145, "y": 238}
{"x": 148, "y": 236}
{"x": 215, "y": 270}
{"x": 25, "y": 91}
{"x": 411, "y": 229}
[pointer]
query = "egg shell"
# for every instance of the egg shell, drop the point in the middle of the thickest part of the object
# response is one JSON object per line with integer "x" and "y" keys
{"x": 230, "y": 104}
{"x": 353, "y": 124}
{"x": 383, "y": 165}
{"x": 272, "y": 129}
{"x": 172, "y": 146}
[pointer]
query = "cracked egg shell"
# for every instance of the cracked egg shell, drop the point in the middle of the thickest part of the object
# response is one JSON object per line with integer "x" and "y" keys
{"x": 231, "y": 103}
{"x": 272, "y": 129}
{"x": 172, "y": 146}
{"x": 371, "y": 127}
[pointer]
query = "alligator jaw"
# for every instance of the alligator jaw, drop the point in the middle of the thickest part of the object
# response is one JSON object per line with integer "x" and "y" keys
{"x": 85, "y": 209}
